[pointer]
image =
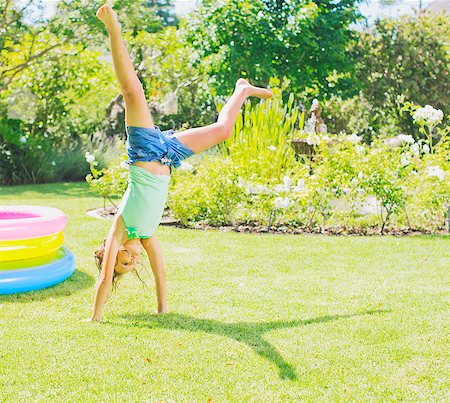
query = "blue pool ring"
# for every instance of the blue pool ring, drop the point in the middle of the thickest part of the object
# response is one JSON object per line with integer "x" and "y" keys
{"x": 59, "y": 267}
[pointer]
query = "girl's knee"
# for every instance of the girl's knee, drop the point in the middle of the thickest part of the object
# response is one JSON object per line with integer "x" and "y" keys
{"x": 225, "y": 130}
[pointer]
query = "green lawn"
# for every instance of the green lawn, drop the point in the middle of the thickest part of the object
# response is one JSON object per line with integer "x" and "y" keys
{"x": 258, "y": 318}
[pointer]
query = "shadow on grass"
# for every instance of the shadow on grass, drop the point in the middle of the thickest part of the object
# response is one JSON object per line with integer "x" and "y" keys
{"x": 248, "y": 333}
{"x": 76, "y": 282}
{"x": 69, "y": 189}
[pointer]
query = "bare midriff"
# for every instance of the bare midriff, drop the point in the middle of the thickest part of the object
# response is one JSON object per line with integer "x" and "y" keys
{"x": 154, "y": 167}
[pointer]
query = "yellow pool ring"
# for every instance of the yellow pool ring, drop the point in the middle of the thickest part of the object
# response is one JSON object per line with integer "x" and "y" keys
{"x": 30, "y": 248}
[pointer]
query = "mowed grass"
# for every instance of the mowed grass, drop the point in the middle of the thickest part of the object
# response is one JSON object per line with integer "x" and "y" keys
{"x": 253, "y": 318}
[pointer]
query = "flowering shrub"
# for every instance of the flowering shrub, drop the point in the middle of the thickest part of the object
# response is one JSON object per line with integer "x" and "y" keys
{"x": 210, "y": 196}
{"x": 393, "y": 182}
{"x": 111, "y": 181}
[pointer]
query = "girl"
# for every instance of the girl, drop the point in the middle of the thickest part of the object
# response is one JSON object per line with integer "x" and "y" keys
{"x": 152, "y": 155}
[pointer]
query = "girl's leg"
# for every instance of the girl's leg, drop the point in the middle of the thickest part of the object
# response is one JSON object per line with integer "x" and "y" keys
{"x": 136, "y": 109}
{"x": 199, "y": 139}
{"x": 153, "y": 249}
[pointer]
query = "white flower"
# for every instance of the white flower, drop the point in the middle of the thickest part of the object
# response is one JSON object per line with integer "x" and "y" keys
{"x": 415, "y": 149}
{"x": 89, "y": 157}
{"x": 185, "y": 166}
{"x": 426, "y": 148}
{"x": 393, "y": 142}
{"x": 353, "y": 138}
{"x": 23, "y": 139}
{"x": 359, "y": 149}
{"x": 300, "y": 186}
{"x": 360, "y": 174}
{"x": 123, "y": 165}
{"x": 53, "y": 163}
{"x": 313, "y": 140}
{"x": 279, "y": 188}
{"x": 273, "y": 148}
{"x": 287, "y": 182}
{"x": 428, "y": 115}
{"x": 434, "y": 170}
{"x": 281, "y": 202}
{"x": 406, "y": 159}
{"x": 354, "y": 182}
{"x": 406, "y": 138}
{"x": 241, "y": 183}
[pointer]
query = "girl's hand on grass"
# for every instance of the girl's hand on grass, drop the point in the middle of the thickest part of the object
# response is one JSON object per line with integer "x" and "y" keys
{"x": 89, "y": 320}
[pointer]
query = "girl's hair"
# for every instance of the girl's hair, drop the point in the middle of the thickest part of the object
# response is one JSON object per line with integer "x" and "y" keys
{"x": 98, "y": 254}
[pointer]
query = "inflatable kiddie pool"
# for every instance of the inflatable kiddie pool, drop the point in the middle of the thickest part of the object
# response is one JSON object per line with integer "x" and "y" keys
{"x": 31, "y": 252}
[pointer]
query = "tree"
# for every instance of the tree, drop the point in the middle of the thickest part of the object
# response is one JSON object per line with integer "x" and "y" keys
{"x": 165, "y": 10}
{"x": 408, "y": 55}
{"x": 303, "y": 40}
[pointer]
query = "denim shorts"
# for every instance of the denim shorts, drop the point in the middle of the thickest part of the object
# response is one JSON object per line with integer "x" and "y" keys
{"x": 144, "y": 144}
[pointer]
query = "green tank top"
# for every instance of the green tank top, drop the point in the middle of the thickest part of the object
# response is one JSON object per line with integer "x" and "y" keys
{"x": 142, "y": 205}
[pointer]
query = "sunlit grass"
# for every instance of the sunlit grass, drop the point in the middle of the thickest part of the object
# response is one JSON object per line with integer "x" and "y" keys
{"x": 263, "y": 318}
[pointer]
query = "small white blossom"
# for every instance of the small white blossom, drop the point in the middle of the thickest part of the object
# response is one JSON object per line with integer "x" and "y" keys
{"x": 406, "y": 139}
{"x": 436, "y": 171}
{"x": 300, "y": 186}
{"x": 273, "y": 148}
{"x": 281, "y": 202}
{"x": 353, "y": 138}
{"x": 313, "y": 140}
{"x": 254, "y": 189}
{"x": 23, "y": 139}
{"x": 406, "y": 159}
{"x": 428, "y": 115}
{"x": 241, "y": 183}
{"x": 360, "y": 174}
{"x": 185, "y": 166}
{"x": 89, "y": 157}
{"x": 393, "y": 142}
{"x": 354, "y": 182}
{"x": 426, "y": 148}
{"x": 279, "y": 188}
{"x": 287, "y": 182}
{"x": 359, "y": 149}
{"x": 123, "y": 165}
{"x": 415, "y": 149}
{"x": 53, "y": 163}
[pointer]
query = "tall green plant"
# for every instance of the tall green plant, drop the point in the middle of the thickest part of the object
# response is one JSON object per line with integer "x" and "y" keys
{"x": 260, "y": 143}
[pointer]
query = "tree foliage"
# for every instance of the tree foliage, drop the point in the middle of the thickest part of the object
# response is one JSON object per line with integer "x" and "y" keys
{"x": 302, "y": 40}
{"x": 406, "y": 56}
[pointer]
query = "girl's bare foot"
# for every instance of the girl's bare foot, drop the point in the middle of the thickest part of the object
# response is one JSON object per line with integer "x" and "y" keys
{"x": 251, "y": 90}
{"x": 108, "y": 16}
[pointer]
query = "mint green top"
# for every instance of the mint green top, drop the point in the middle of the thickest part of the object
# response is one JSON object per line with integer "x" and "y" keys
{"x": 142, "y": 205}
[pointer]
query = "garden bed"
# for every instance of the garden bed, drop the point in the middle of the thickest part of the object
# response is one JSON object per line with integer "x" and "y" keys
{"x": 167, "y": 219}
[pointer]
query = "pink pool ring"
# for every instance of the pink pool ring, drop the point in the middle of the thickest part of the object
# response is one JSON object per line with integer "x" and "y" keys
{"x": 23, "y": 222}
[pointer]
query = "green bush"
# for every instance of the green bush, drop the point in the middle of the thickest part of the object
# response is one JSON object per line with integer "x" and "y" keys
{"x": 110, "y": 181}
{"x": 211, "y": 195}
{"x": 408, "y": 56}
{"x": 406, "y": 179}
